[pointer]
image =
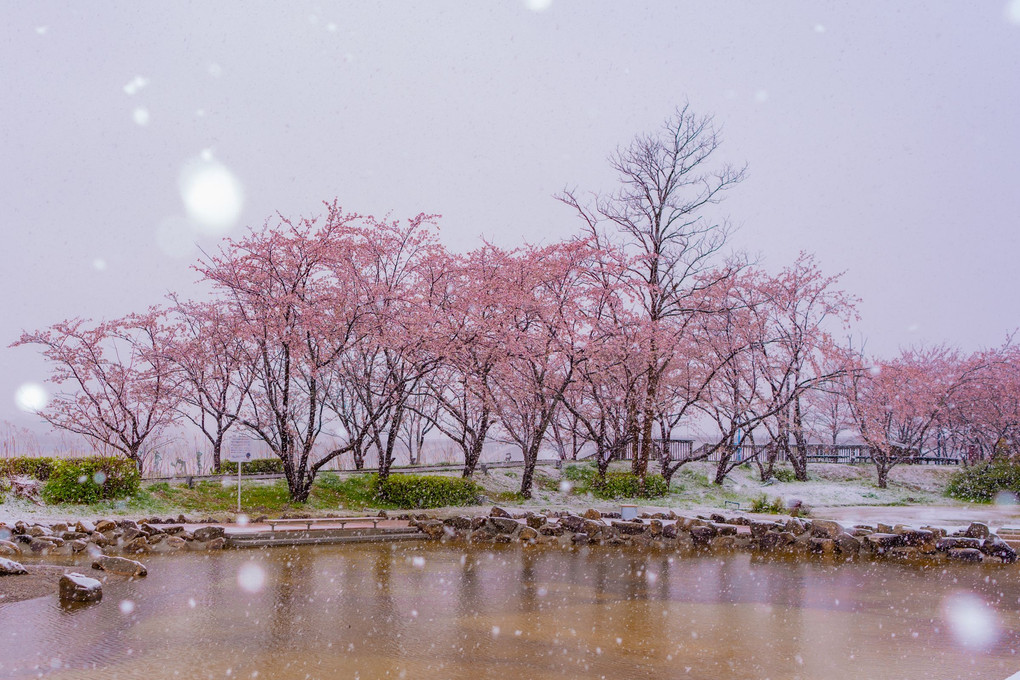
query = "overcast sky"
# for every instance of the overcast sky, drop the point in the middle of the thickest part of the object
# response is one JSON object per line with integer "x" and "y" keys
{"x": 883, "y": 137}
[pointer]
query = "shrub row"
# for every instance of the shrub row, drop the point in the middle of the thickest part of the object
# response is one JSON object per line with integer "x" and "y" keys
{"x": 982, "y": 483}
{"x": 426, "y": 491}
{"x": 37, "y": 468}
{"x": 261, "y": 466}
{"x": 88, "y": 480}
{"x": 628, "y": 485}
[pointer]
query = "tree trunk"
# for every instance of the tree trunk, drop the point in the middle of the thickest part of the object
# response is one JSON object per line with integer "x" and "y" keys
{"x": 799, "y": 459}
{"x": 527, "y": 478}
{"x": 471, "y": 456}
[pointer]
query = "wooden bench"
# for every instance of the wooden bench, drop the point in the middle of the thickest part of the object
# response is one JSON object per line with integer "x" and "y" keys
{"x": 342, "y": 521}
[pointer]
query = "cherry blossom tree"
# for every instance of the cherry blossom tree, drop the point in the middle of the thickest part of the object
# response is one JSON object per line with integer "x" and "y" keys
{"x": 118, "y": 385}
{"x": 897, "y": 404}
{"x": 662, "y": 215}
{"x": 209, "y": 359}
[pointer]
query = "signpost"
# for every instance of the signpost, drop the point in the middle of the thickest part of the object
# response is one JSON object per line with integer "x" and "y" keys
{"x": 238, "y": 452}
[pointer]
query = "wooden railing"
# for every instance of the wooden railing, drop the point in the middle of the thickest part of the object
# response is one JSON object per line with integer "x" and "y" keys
{"x": 845, "y": 454}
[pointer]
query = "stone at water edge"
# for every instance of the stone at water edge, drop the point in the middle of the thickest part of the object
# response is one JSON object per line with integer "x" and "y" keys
{"x": 120, "y": 565}
{"x": 104, "y": 525}
{"x": 76, "y": 587}
{"x": 209, "y": 533}
{"x": 85, "y": 526}
{"x": 499, "y": 512}
{"x": 826, "y": 528}
{"x": 8, "y": 548}
{"x": 977, "y": 530}
{"x": 592, "y": 513}
{"x": 11, "y": 568}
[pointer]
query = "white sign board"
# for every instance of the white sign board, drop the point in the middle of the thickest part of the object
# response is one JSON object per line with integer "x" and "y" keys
{"x": 240, "y": 450}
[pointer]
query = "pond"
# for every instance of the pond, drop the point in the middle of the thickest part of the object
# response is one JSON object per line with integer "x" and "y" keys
{"x": 415, "y": 610}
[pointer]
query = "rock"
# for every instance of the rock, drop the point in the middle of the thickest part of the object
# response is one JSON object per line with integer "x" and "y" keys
{"x": 765, "y": 542}
{"x": 433, "y": 528}
{"x": 137, "y": 545}
{"x": 132, "y": 534}
{"x": 105, "y": 525}
{"x": 592, "y": 513}
{"x": 174, "y": 542}
{"x": 101, "y": 539}
{"x": 209, "y": 533}
{"x": 847, "y": 544}
{"x": 655, "y": 528}
{"x": 177, "y": 528}
{"x": 127, "y": 524}
{"x": 703, "y": 535}
{"x": 80, "y": 588}
{"x": 629, "y": 528}
{"x": 534, "y": 521}
{"x": 965, "y": 554}
{"x": 503, "y": 525}
{"x": 717, "y": 518}
{"x": 977, "y": 530}
{"x": 499, "y": 512}
{"x": 78, "y": 545}
{"x": 996, "y": 547}
{"x": 572, "y": 523}
{"x": 918, "y": 538}
{"x": 38, "y": 530}
{"x": 11, "y": 568}
{"x": 119, "y": 565}
{"x": 156, "y": 538}
{"x": 502, "y": 538}
{"x": 826, "y": 528}
{"x": 551, "y": 529}
{"x": 955, "y": 542}
{"x": 38, "y": 545}
{"x": 73, "y": 535}
{"x": 151, "y": 530}
{"x": 579, "y": 538}
{"x": 824, "y": 546}
{"x": 860, "y": 532}
{"x": 796, "y": 526}
{"x": 939, "y": 532}
{"x": 669, "y": 530}
{"x": 880, "y": 543}
{"x": 725, "y": 529}
{"x": 85, "y": 526}
{"x": 458, "y": 522}
{"x": 219, "y": 543}
{"x": 760, "y": 528}
{"x": 884, "y": 529}
{"x": 8, "y": 548}
{"x": 527, "y": 534}
{"x": 478, "y": 522}
{"x": 592, "y": 528}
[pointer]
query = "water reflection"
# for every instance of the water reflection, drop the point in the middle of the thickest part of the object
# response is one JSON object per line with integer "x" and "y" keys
{"x": 424, "y": 611}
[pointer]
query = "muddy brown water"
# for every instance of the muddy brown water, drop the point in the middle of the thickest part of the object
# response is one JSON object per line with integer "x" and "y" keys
{"x": 429, "y": 611}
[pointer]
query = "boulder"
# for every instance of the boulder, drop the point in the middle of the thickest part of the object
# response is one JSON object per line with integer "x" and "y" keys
{"x": 79, "y": 545}
{"x": 11, "y": 568}
{"x": 579, "y": 538}
{"x": 119, "y": 565}
{"x": 105, "y": 525}
{"x": 38, "y": 545}
{"x": 502, "y": 525}
{"x": 132, "y": 534}
{"x": 881, "y": 543}
{"x": 826, "y": 528}
{"x": 955, "y": 542}
{"x": 79, "y": 588}
{"x": 499, "y": 512}
{"x": 209, "y": 533}
{"x": 534, "y": 521}
{"x": 38, "y": 530}
{"x": 918, "y": 538}
{"x": 592, "y": 513}
{"x": 127, "y": 524}
{"x": 572, "y": 523}
{"x": 156, "y": 538}
{"x": 725, "y": 528}
{"x": 10, "y": 549}
{"x": 433, "y": 528}
{"x": 847, "y": 544}
{"x": 137, "y": 545}
{"x": 85, "y": 526}
{"x": 216, "y": 544}
{"x": 996, "y": 547}
{"x": 151, "y": 530}
{"x": 796, "y": 526}
{"x": 765, "y": 542}
{"x": 759, "y": 528}
{"x": 101, "y": 539}
{"x": 477, "y": 522}
{"x": 73, "y": 535}
{"x": 977, "y": 530}
{"x": 551, "y": 529}
{"x": 458, "y": 522}
{"x": 965, "y": 554}
{"x": 58, "y": 527}
{"x": 703, "y": 535}
{"x": 177, "y": 528}
{"x": 174, "y": 542}
{"x": 669, "y": 530}
{"x": 527, "y": 534}
{"x": 884, "y": 529}
{"x": 629, "y": 528}
{"x": 655, "y": 528}
{"x": 823, "y": 546}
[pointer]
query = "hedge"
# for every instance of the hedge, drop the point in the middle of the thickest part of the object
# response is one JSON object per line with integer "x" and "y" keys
{"x": 88, "y": 480}
{"x": 427, "y": 491}
{"x": 981, "y": 483}
{"x": 261, "y": 466}
{"x": 628, "y": 485}
{"x": 37, "y": 468}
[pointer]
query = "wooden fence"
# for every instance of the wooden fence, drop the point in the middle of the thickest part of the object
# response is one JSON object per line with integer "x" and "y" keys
{"x": 845, "y": 454}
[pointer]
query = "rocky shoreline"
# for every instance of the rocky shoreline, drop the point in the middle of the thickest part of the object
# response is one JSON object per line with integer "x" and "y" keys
{"x": 791, "y": 536}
